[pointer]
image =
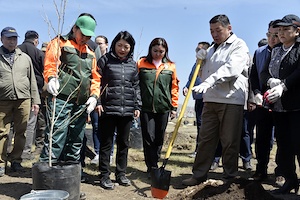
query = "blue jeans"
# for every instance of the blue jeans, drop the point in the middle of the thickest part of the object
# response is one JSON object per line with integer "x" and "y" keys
{"x": 198, "y": 111}
{"x": 94, "y": 119}
{"x": 247, "y": 136}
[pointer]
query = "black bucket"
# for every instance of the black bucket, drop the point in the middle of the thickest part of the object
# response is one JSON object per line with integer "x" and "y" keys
{"x": 61, "y": 176}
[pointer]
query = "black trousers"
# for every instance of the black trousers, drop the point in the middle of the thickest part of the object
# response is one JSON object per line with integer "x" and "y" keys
{"x": 264, "y": 138}
{"x": 107, "y": 126}
{"x": 287, "y": 128}
{"x": 153, "y": 132}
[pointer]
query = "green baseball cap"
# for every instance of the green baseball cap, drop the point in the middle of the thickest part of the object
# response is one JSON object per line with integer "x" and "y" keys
{"x": 87, "y": 25}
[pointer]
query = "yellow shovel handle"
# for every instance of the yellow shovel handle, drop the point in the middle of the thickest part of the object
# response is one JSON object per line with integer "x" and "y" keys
{"x": 168, "y": 153}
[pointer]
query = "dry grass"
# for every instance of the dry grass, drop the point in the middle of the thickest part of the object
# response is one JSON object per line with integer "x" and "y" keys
{"x": 179, "y": 161}
{"x": 13, "y": 185}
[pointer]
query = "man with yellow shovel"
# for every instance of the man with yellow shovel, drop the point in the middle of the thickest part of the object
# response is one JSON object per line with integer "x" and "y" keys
{"x": 224, "y": 87}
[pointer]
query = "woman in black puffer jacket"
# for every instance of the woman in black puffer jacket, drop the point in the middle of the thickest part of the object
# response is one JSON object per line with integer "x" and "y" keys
{"x": 119, "y": 103}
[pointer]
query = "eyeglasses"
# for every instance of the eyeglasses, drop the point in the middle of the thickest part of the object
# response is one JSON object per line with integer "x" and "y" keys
{"x": 273, "y": 35}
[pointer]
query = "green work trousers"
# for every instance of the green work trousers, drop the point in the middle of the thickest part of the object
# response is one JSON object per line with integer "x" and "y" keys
{"x": 68, "y": 130}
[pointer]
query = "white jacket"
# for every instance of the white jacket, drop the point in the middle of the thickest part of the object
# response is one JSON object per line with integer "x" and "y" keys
{"x": 226, "y": 71}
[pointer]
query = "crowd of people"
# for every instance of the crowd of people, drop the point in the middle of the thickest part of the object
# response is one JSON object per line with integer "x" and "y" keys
{"x": 266, "y": 86}
{"x": 47, "y": 96}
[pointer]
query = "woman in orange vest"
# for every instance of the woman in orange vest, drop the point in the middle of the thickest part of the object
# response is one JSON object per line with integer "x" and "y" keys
{"x": 159, "y": 93}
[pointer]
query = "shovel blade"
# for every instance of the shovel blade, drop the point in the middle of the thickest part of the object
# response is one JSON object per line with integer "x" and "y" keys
{"x": 160, "y": 182}
{"x": 157, "y": 193}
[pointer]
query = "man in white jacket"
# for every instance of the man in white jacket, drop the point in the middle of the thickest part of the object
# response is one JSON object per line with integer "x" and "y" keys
{"x": 224, "y": 88}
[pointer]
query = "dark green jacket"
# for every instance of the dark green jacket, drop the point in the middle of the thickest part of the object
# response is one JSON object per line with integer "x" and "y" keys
{"x": 77, "y": 73}
{"x": 159, "y": 87}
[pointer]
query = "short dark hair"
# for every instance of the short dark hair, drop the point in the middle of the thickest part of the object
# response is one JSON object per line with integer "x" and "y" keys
{"x": 31, "y": 34}
{"x": 223, "y": 19}
{"x": 274, "y": 22}
{"x": 262, "y": 42}
{"x": 204, "y": 43}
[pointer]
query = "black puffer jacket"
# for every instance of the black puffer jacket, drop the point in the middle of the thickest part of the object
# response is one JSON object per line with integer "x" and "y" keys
{"x": 289, "y": 73}
{"x": 119, "y": 86}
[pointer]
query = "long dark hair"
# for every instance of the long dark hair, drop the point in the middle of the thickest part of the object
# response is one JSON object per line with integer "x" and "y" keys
{"x": 125, "y": 35}
{"x": 158, "y": 41}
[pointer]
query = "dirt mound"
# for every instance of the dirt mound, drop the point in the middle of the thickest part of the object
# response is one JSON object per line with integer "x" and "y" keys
{"x": 231, "y": 190}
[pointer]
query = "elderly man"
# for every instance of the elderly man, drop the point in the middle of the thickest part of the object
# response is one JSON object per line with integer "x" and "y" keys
{"x": 18, "y": 91}
{"x": 224, "y": 88}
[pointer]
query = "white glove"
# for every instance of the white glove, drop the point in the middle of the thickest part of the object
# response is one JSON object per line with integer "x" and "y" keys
{"x": 258, "y": 98}
{"x": 91, "y": 104}
{"x": 202, "y": 88}
{"x": 185, "y": 91}
{"x": 272, "y": 82}
{"x": 201, "y": 54}
{"x": 275, "y": 93}
{"x": 53, "y": 86}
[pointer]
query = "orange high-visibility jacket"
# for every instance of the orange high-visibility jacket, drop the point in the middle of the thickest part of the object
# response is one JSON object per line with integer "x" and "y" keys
{"x": 75, "y": 67}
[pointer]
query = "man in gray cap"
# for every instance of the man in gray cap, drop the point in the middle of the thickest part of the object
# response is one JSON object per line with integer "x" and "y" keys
{"x": 18, "y": 91}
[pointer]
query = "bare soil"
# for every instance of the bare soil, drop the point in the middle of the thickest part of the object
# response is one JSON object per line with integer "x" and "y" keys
{"x": 13, "y": 185}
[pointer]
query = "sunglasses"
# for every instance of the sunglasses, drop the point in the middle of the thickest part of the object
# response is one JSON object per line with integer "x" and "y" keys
{"x": 273, "y": 35}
